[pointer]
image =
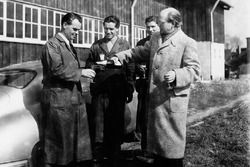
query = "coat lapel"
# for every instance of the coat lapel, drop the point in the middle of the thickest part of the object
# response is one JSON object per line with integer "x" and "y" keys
{"x": 104, "y": 47}
{"x": 71, "y": 49}
{"x": 115, "y": 47}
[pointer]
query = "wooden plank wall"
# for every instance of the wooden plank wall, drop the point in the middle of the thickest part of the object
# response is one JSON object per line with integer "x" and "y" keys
{"x": 196, "y": 21}
{"x": 13, "y": 53}
{"x": 195, "y": 13}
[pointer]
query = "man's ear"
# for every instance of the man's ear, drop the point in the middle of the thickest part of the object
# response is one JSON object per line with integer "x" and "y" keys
{"x": 64, "y": 25}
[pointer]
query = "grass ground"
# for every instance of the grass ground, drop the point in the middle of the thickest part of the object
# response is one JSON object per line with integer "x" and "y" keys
{"x": 216, "y": 93}
{"x": 219, "y": 140}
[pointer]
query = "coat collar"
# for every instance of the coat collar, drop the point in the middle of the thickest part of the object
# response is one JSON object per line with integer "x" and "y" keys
{"x": 71, "y": 49}
{"x": 170, "y": 41}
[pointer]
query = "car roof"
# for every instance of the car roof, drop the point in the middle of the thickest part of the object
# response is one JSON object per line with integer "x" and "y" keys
{"x": 25, "y": 65}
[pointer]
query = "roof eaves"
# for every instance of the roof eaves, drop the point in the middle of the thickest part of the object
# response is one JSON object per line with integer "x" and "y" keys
{"x": 225, "y": 5}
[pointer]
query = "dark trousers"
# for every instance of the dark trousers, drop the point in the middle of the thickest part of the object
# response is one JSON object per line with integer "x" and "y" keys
{"x": 166, "y": 162}
{"x": 141, "y": 118}
{"x": 108, "y": 106}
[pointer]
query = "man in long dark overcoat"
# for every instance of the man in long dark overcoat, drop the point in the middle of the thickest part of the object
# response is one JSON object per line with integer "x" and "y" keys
{"x": 65, "y": 132}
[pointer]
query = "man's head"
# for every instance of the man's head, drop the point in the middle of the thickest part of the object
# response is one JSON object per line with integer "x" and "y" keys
{"x": 151, "y": 25}
{"x": 71, "y": 24}
{"x": 169, "y": 20}
{"x": 111, "y": 26}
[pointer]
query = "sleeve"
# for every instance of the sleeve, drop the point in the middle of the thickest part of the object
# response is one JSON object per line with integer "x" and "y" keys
{"x": 91, "y": 57}
{"x": 138, "y": 54}
{"x": 130, "y": 69}
{"x": 190, "y": 70}
{"x": 57, "y": 67}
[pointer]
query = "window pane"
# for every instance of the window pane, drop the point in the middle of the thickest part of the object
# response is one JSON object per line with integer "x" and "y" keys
{"x": 43, "y": 33}
{"x": 90, "y": 25}
{"x": 35, "y": 15}
{"x": 10, "y": 10}
{"x": 43, "y": 16}
{"x": 1, "y": 27}
{"x": 27, "y": 14}
{"x": 19, "y": 12}
{"x": 58, "y": 20}
{"x": 50, "y": 17}
{"x": 57, "y": 30}
{"x": 100, "y": 27}
{"x": 96, "y": 36}
{"x": 85, "y": 37}
{"x": 80, "y": 37}
{"x": 90, "y": 38}
{"x": 96, "y": 26}
{"x": 50, "y": 32}
{"x": 10, "y": 29}
{"x": 85, "y": 24}
{"x": 34, "y": 31}
{"x": 27, "y": 30}
{"x": 19, "y": 29}
{"x": 125, "y": 31}
{"x": 1, "y": 9}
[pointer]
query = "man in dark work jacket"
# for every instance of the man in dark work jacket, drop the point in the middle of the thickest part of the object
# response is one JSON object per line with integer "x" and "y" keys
{"x": 65, "y": 131}
{"x": 112, "y": 88}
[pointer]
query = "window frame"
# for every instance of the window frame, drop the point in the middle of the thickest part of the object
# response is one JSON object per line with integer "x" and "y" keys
{"x": 91, "y": 32}
{"x": 139, "y": 33}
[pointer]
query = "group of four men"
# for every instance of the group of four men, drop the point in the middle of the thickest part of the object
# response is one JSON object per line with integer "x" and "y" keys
{"x": 171, "y": 64}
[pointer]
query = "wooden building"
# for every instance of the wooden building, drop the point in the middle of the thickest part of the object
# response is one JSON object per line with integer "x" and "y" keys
{"x": 25, "y": 25}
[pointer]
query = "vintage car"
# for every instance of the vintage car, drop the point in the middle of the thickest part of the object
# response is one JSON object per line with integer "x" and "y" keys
{"x": 20, "y": 87}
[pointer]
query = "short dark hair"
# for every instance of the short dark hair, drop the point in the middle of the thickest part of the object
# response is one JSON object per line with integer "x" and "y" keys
{"x": 112, "y": 19}
{"x": 69, "y": 17}
{"x": 150, "y": 19}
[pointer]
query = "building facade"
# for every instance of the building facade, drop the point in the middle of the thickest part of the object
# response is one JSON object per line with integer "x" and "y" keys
{"x": 25, "y": 25}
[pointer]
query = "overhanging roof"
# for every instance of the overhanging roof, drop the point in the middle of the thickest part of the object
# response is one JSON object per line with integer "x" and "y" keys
{"x": 225, "y": 5}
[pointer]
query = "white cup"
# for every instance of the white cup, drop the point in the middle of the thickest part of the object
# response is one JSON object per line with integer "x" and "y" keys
{"x": 102, "y": 56}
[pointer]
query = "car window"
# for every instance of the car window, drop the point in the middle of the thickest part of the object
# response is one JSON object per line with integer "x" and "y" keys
{"x": 18, "y": 78}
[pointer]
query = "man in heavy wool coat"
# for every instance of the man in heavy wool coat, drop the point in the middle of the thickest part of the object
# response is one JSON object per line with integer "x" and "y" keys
{"x": 64, "y": 132}
{"x": 174, "y": 65}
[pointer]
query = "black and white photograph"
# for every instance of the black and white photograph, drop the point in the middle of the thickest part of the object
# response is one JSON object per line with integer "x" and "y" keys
{"x": 124, "y": 83}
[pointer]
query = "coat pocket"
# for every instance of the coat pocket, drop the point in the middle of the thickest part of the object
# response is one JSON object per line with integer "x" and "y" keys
{"x": 60, "y": 97}
{"x": 179, "y": 103}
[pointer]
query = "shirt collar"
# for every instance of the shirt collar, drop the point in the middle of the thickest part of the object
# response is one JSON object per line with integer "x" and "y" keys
{"x": 113, "y": 40}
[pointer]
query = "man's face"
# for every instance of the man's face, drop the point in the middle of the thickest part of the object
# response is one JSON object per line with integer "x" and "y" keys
{"x": 71, "y": 31}
{"x": 165, "y": 26}
{"x": 110, "y": 30}
{"x": 152, "y": 27}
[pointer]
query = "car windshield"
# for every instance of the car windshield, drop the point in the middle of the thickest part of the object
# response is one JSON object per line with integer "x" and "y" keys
{"x": 18, "y": 78}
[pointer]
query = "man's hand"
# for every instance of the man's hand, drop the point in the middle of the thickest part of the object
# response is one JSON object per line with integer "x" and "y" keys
{"x": 116, "y": 61}
{"x": 89, "y": 73}
{"x": 169, "y": 77}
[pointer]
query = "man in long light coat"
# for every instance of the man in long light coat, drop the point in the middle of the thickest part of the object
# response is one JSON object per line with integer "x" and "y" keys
{"x": 174, "y": 65}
